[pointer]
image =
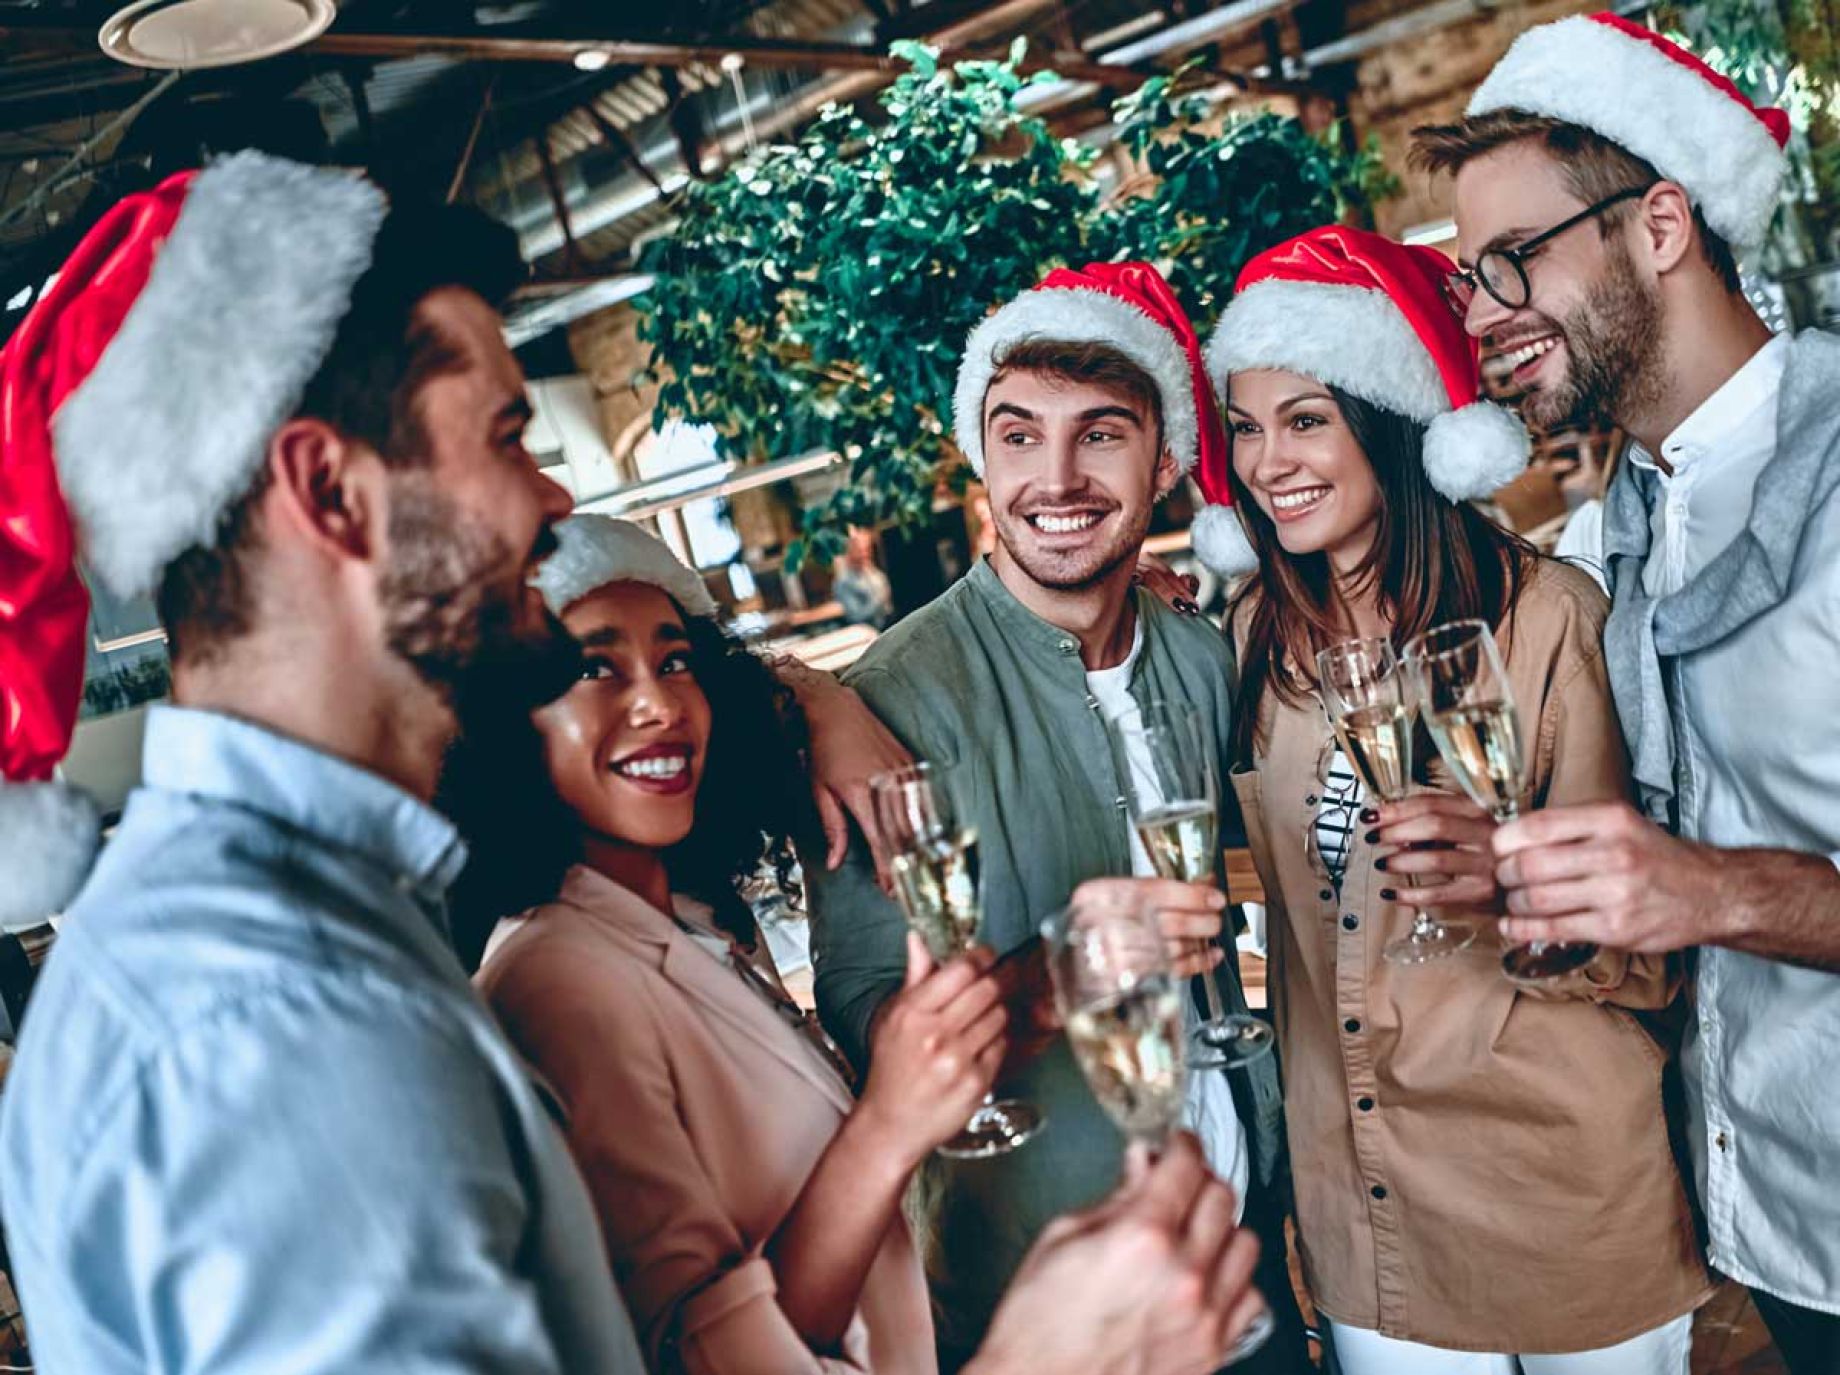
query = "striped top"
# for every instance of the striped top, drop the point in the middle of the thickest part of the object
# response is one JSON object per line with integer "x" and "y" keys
{"x": 1342, "y": 796}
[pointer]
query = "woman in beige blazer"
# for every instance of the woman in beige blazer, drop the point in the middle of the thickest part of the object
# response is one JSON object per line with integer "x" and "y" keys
{"x": 1484, "y": 1176}
{"x": 751, "y": 1205}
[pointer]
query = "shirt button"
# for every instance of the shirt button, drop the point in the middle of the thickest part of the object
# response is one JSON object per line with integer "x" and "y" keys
{"x": 1364, "y": 1103}
{"x": 1092, "y": 703}
{"x": 1378, "y": 1191}
{"x": 1350, "y": 921}
{"x": 1722, "y": 1141}
{"x": 1327, "y": 895}
{"x": 1352, "y": 1025}
{"x": 1121, "y": 804}
{"x": 1068, "y": 647}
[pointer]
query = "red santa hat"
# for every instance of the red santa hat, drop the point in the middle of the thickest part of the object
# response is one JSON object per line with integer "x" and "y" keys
{"x": 1125, "y": 305}
{"x": 137, "y": 399}
{"x": 1374, "y": 318}
{"x": 593, "y": 551}
{"x": 1658, "y": 101}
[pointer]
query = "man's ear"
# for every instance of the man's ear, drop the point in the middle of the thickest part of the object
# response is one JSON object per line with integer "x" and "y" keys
{"x": 326, "y": 488}
{"x": 1664, "y": 219}
{"x": 1168, "y": 474}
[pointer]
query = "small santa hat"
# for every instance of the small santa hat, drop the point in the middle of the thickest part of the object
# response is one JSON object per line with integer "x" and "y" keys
{"x": 1658, "y": 101}
{"x": 593, "y": 551}
{"x": 137, "y": 399}
{"x": 1374, "y": 318}
{"x": 1126, "y": 305}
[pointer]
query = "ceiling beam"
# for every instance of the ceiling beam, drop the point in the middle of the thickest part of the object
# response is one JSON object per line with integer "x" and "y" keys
{"x": 486, "y": 46}
{"x": 479, "y": 44}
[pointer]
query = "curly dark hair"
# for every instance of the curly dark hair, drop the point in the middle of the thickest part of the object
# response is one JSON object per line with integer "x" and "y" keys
{"x": 753, "y": 802}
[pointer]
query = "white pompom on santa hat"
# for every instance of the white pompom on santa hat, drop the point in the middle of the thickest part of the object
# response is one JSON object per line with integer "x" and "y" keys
{"x": 137, "y": 399}
{"x": 1655, "y": 99}
{"x": 1375, "y": 318}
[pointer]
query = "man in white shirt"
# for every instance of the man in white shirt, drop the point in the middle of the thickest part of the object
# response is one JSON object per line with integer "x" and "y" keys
{"x": 1597, "y": 242}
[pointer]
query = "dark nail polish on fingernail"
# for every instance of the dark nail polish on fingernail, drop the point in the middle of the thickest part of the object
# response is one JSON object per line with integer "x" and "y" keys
{"x": 1372, "y": 837}
{"x": 1380, "y": 864}
{"x": 1369, "y": 815}
{"x": 1388, "y": 895}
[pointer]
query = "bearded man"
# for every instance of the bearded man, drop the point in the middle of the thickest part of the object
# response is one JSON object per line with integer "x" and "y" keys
{"x": 1604, "y": 177}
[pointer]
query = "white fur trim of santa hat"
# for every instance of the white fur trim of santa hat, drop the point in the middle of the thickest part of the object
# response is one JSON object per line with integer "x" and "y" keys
{"x": 1587, "y": 72}
{"x": 240, "y": 309}
{"x": 48, "y": 838}
{"x": 1356, "y": 339}
{"x": 1073, "y": 315}
{"x": 594, "y": 551}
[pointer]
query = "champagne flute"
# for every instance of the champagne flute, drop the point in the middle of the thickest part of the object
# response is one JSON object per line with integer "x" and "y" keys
{"x": 1122, "y": 1008}
{"x": 1463, "y": 692}
{"x": 1162, "y": 754}
{"x": 936, "y": 883}
{"x": 1369, "y": 705}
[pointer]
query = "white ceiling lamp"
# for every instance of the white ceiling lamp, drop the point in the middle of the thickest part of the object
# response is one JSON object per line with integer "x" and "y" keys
{"x": 187, "y": 34}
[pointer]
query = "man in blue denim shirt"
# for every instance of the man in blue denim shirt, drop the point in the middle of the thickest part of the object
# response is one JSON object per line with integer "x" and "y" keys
{"x": 258, "y": 1121}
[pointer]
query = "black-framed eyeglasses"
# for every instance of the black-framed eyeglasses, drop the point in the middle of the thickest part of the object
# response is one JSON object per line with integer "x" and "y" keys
{"x": 1502, "y": 272}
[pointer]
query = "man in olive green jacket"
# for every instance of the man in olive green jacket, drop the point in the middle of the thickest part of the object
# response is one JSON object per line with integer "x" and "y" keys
{"x": 1087, "y": 420}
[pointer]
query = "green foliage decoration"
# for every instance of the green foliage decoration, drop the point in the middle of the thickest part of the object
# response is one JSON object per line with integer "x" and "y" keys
{"x": 818, "y": 294}
{"x": 1223, "y": 195}
{"x": 1787, "y": 53}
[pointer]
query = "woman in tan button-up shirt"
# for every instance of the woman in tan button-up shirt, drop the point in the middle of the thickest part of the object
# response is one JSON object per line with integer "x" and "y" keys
{"x": 1478, "y": 1168}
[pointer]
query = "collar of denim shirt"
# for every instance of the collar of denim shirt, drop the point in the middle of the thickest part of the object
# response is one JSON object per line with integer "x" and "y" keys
{"x": 209, "y": 754}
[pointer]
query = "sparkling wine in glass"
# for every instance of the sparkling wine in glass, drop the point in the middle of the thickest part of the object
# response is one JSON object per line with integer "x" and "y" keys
{"x": 1369, "y": 705}
{"x": 936, "y": 883}
{"x": 1463, "y": 692}
{"x": 1123, "y": 1011}
{"x": 1162, "y": 753}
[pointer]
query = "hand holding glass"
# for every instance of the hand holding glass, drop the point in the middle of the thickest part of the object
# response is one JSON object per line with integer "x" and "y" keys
{"x": 1369, "y": 705}
{"x": 1462, "y": 689}
{"x": 934, "y": 860}
{"x": 1122, "y": 1008}
{"x": 1161, "y": 752}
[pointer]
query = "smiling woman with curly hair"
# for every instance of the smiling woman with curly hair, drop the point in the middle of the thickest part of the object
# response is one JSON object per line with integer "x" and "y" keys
{"x": 750, "y": 1205}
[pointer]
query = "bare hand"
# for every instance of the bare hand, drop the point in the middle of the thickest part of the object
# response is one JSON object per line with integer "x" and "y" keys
{"x": 849, "y": 746}
{"x": 936, "y": 1049}
{"x": 1175, "y": 589}
{"x": 1156, "y": 1280}
{"x": 1605, "y": 874}
{"x": 1437, "y": 851}
{"x": 1188, "y": 914}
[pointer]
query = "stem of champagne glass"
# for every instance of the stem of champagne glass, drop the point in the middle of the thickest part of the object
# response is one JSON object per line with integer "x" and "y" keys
{"x": 1211, "y": 990}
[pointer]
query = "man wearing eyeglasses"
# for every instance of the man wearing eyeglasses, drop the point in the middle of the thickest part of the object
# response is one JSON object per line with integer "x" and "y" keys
{"x": 1604, "y": 177}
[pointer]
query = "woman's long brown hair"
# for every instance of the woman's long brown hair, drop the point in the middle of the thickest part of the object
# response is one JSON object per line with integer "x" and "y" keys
{"x": 1432, "y": 561}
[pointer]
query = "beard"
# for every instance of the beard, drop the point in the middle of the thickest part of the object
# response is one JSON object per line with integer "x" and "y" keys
{"x": 455, "y": 615}
{"x": 1076, "y": 569}
{"x": 1613, "y": 348}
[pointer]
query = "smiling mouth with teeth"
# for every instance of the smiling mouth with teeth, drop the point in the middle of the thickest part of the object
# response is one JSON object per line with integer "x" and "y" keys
{"x": 654, "y": 766}
{"x": 1296, "y": 501}
{"x": 1532, "y": 349}
{"x": 1064, "y": 525}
